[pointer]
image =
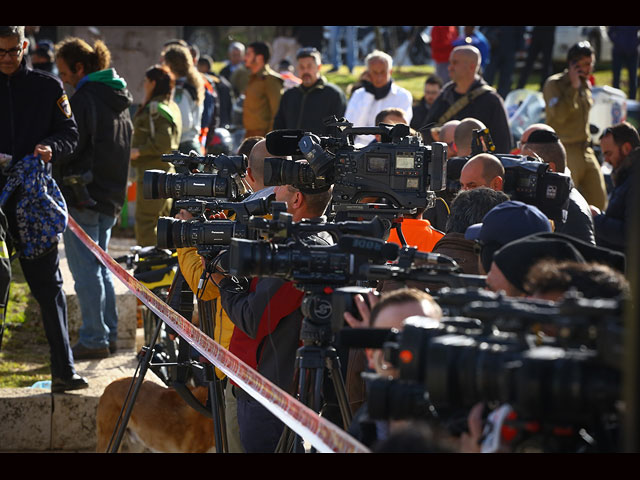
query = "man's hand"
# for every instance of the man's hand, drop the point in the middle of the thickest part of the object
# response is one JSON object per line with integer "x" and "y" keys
{"x": 575, "y": 75}
{"x": 595, "y": 211}
{"x": 135, "y": 153}
{"x": 184, "y": 215}
{"x": 44, "y": 152}
{"x": 364, "y": 311}
{"x": 470, "y": 442}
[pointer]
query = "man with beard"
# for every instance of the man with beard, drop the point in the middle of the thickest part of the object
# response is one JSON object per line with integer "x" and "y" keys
{"x": 305, "y": 106}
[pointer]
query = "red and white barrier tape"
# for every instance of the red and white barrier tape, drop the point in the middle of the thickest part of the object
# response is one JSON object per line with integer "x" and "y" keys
{"x": 319, "y": 432}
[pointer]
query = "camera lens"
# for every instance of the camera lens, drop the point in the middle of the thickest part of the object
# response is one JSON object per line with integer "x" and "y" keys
{"x": 174, "y": 233}
{"x": 159, "y": 184}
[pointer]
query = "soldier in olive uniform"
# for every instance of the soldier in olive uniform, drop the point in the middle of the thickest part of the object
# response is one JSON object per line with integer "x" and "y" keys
{"x": 568, "y": 101}
{"x": 156, "y": 131}
{"x": 263, "y": 92}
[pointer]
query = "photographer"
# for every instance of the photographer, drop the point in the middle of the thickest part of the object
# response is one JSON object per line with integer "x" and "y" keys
{"x": 390, "y": 311}
{"x": 269, "y": 314}
{"x": 100, "y": 105}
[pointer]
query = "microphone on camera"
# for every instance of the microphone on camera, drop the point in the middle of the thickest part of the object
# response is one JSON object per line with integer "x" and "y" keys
{"x": 371, "y": 248}
{"x": 284, "y": 142}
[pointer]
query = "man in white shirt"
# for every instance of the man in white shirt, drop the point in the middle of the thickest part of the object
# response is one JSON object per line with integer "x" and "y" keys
{"x": 376, "y": 95}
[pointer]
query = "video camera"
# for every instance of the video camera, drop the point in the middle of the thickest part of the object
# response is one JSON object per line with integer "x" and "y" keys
{"x": 212, "y": 236}
{"x": 526, "y": 179}
{"x": 224, "y": 183}
{"x": 497, "y": 353}
{"x": 399, "y": 168}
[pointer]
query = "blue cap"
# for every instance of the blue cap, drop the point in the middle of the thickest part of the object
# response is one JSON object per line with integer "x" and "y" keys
{"x": 508, "y": 221}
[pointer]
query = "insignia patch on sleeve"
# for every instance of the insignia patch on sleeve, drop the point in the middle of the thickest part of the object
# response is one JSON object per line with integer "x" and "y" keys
{"x": 65, "y": 106}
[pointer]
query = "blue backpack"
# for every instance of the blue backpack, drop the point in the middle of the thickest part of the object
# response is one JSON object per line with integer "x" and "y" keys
{"x": 41, "y": 211}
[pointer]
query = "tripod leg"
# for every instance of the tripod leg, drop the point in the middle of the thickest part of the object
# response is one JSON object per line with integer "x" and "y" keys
{"x": 340, "y": 389}
{"x": 127, "y": 407}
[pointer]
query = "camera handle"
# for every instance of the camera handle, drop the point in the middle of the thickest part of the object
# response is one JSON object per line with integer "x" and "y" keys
{"x": 178, "y": 291}
{"x": 314, "y": 356}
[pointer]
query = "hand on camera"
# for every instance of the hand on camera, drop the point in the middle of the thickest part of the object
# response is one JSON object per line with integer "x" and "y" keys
{"x": 363, "y": 309}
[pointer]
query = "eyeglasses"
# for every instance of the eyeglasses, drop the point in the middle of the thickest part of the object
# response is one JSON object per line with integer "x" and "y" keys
{"x": 12, "y": 52}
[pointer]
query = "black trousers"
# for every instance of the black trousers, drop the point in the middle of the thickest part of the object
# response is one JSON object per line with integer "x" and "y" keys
{"x": 45, "y": 281}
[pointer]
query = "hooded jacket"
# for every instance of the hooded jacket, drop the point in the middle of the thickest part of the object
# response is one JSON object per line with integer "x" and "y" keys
{"x": 101, "y": 107}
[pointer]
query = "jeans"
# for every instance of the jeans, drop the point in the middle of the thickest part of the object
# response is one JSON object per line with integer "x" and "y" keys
{"x": 628, "y": 61}
{"x": 93, "y": 281}
{"x": 349, "y": 34}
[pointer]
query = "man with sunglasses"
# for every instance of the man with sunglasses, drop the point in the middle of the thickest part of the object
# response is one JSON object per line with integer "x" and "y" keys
{"x": 36, "y": 119}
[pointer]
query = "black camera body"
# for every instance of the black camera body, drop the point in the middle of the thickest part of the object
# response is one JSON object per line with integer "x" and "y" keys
{"x": 525, "y": 180}
{"x": 399, "y": 168}
{"x": 224, "y": 183}
{"x": 496, "y": 355}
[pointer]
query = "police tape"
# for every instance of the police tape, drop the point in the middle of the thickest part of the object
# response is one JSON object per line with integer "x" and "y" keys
{"x": 323, "y": 435}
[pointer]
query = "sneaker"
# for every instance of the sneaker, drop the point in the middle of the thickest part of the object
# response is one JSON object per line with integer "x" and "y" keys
{"x": 80, "y": 352}
{"x": 113, "y": 347}
{"x": 75, "y": 382}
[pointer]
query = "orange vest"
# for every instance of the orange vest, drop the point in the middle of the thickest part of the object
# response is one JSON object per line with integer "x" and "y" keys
{"x": 417, "y": 233}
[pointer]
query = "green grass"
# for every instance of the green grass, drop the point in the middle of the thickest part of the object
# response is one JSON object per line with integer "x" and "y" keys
{"x": 24, "y": 357}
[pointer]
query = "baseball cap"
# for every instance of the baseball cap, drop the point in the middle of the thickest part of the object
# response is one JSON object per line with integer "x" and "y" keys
{"x": 505, "y": 223}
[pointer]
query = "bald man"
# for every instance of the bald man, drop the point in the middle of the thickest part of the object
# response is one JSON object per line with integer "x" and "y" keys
{"x": 447, "y": 135}
{"x": 468, "y": 95}
{"x": 482, "y": 170}
{"x": 464, "y": 135}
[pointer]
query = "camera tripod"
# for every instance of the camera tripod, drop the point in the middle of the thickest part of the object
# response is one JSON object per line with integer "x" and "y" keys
{"x": 180, "y": 297}
{"x": 312, "y": 359}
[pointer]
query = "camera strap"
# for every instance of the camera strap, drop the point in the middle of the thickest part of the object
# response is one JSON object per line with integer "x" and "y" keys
{"x": 463, "y": 102}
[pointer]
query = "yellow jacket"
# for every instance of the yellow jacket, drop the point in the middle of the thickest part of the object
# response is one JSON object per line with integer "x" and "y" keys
{"x": 191, "y": 267}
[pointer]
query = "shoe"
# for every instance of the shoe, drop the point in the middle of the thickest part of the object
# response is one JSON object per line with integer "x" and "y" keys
{"x": 113, "y": 347}
{"x": 75, "y": 382}
{"x": 80, "y": 352}
{"x": 333, "y": 69}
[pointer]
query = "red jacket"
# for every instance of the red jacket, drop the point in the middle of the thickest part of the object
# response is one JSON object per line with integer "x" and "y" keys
{"x": 441, "y": 42}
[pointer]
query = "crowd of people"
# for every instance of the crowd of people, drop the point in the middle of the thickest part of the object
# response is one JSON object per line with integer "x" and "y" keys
{"x": 88, "y": 142}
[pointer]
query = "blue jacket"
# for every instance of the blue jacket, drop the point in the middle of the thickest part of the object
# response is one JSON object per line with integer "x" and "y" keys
{"x": 624, "y": 38}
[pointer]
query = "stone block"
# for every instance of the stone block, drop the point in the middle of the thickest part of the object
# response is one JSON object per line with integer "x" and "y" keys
{"x": 25, "y": 419}
{"x": 73, "y": 421}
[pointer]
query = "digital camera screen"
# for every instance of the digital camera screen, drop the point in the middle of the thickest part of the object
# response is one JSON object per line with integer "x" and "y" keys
{"x": 377, "y": 164}
{"x": 405, "y": 161}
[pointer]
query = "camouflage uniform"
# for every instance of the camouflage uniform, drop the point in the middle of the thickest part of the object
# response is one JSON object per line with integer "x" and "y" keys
{"x": 156, "y": 131}
{"x": 567, "y": 111}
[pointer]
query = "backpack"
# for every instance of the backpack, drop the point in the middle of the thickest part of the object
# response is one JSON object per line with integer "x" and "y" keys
{"x": 41, "y": 210}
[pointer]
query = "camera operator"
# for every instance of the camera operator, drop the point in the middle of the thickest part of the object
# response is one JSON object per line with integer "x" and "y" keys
{"x": 269, "y": 313}
{"x": 482, "y": 170}
{"x": 192, "y": 267}
{"x": 389, "y": 312}
{"x": 546, "y": 145}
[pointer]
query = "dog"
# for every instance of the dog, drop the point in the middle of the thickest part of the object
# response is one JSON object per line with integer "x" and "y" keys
{"x": 160, "y": 420}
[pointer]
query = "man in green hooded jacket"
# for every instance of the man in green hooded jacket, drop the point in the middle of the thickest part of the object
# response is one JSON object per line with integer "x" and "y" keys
{"x": 93, "y": 180}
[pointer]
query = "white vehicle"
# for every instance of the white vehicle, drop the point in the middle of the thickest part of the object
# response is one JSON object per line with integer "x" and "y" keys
{"x": 567, "y": 36}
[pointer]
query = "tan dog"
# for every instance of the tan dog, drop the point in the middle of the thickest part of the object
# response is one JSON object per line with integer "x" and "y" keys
{"x": 160, "y": 420}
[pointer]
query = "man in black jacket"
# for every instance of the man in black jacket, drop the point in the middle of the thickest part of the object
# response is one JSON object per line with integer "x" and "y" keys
{"x": 468, "y": 95}
{"x": 94, "y": 183}
{"x": 307, "y": 105}
{"x": 36, "y": 119}
{"x": 546, "y": 145}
